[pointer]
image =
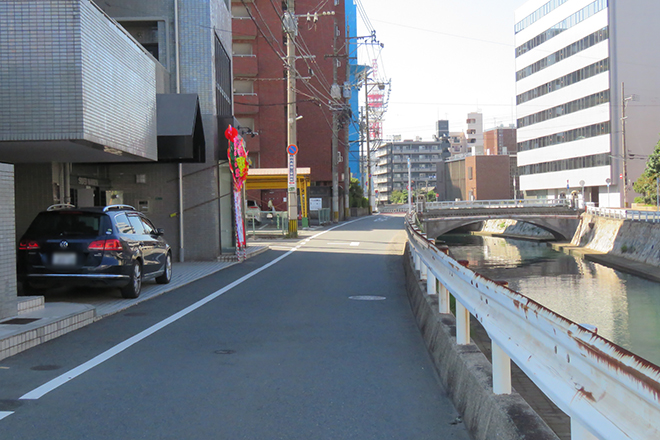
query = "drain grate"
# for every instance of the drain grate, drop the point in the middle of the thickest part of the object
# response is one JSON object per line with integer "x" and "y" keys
{"x": 19, "y": 321}
{"x": 367, "y": 298}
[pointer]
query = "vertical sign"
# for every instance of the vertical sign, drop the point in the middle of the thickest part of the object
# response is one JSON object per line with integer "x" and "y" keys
{"x": 292, "y": 150}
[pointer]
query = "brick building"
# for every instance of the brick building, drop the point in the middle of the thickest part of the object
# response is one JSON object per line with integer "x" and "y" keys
{"x": 260, "y": 89}
{"x": 500, "y": 141}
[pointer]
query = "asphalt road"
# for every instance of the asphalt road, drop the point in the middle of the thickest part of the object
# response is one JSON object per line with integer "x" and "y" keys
{"x": 273, "y": 348}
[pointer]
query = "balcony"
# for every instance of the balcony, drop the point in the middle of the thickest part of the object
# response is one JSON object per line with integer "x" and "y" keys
{"x": 246, "y": 103}
{"x": 243, "y": 29}
{"x": 245, "y": 66}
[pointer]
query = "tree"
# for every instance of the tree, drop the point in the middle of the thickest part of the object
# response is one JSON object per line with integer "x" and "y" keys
{"x": 399, "y": 196}
{"x": 356, "y": 195}
{"x": 646, "y": 184}
{"x": 430, "y": 196}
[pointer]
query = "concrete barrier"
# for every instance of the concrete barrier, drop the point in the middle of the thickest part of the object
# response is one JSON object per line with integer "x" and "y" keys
{"x": 467, "y": 375}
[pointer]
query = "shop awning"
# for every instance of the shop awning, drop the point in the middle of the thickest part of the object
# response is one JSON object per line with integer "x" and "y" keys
{"x": 180, "y": 130}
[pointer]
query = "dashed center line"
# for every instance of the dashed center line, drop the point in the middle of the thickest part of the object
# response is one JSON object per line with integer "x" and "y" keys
{"x": 4, "y": 414}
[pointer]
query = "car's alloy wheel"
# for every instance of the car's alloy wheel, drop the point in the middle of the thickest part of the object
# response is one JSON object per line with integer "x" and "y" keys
{"x": 166, "y": 277}
{"x": 132, "y": 290}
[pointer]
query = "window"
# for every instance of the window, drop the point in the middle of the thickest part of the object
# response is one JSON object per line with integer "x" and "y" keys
{"x": 242, "y": 87}
{"x": 148, "y": 227}
{"x": 246, "y": 123}
{"x": 242, "y": 49}
{"x": 135, "y": 221}
{"x": 239, "y": 11}
{"x": 122, "y": 224}
{"x": 470, "y": 173}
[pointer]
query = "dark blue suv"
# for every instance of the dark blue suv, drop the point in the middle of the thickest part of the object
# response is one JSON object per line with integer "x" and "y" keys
{"x": 111, "y": 246}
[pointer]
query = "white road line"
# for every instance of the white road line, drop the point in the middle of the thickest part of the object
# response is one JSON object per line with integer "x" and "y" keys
{"x": 4, "y": 414}
{"x": 75, "y": 372}
{"x": 355, "y": 243}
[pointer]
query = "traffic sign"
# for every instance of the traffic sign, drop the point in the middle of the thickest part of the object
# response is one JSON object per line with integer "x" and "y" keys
{"x": 292, "y": 150}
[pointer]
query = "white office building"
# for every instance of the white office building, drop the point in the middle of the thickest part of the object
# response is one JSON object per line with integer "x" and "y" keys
{"x": 573, "y": 58}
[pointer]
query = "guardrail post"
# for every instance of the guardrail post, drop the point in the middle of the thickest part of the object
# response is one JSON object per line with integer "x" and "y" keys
{"x": 462, "y": 324}
{"x": 430, "y": 284}
{"x": 422, "y": 270}
{"x": 501, "y": 370}
{"x": 579, "y": 432}
{"x": 443, "y": 299}
{"x": 418, "y": 261}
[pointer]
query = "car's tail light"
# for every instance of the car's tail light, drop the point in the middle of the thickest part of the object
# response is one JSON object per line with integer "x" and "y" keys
{"x": 105, "y": 245}
{"x": 28, "y": 245}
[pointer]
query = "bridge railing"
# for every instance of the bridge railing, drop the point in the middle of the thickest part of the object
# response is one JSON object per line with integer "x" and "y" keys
{"x": 625, "y": 214}
{"x": 516, "y": 203}
{"x": 608, "y": 392}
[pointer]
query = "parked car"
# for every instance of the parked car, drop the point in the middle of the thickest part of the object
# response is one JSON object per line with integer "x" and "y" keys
{"x": 112, "y": 246}
{"x": 253, "y": 211}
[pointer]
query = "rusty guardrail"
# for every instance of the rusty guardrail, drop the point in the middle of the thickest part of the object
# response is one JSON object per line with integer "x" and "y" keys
{"x": 608, "y": 392}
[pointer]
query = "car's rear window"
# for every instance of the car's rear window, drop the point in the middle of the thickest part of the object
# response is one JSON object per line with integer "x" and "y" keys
{"x": 68, "y": 223}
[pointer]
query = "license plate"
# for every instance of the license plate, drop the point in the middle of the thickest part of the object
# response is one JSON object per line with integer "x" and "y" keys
{"x": 64, "y": 259}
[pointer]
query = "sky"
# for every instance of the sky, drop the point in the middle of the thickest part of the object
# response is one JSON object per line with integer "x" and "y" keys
{"x": 445, "y": 58}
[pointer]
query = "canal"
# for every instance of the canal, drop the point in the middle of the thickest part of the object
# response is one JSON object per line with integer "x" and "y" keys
{"x": 625, "y": 308}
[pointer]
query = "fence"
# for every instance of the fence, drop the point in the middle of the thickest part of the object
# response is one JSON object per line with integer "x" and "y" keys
{"x": 267, "y": 223}
{"x": 519, "y": 203}
{"x": 608, "y": 392}
{"x": 625, "y": 214}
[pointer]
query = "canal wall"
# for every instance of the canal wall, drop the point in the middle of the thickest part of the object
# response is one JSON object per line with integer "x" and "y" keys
{"x": 514, "y": 229}
{"x": 467, "y": 375}
{"x": 637, "y": 241}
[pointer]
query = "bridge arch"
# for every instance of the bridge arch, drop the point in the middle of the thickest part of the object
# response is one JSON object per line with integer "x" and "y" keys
{"x": 562, "y": 228}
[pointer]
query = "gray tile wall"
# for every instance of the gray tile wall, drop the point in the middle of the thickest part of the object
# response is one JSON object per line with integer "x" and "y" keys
{"x": 8, "y": 305}
{"x": 40, "y": 75}
{"x": 68, "y": 72}
{"x": 35, "y": 191}
{"x": 118, "y": 86}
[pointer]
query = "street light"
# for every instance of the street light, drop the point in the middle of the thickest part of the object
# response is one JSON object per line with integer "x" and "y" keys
{"x": 608, "y": 181}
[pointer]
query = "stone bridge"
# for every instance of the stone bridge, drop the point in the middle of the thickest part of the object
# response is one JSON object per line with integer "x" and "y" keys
{"x": 560, "y": 221}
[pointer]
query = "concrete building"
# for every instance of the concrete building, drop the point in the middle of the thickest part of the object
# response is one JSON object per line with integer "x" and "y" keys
{"x": 392, "y": 166}
{"x": 260, "y": 90}
{"x": 457, "y": 142}
{"x": 573, "y": 58}
{"x": 475, "y": 133}
{"x": 89, "y": 115}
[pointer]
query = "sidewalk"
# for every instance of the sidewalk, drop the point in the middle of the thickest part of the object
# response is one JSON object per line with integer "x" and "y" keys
{"x": 39, "y": 321}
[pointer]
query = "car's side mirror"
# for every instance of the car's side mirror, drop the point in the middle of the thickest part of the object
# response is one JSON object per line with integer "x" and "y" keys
{"x": 160, "y": 231}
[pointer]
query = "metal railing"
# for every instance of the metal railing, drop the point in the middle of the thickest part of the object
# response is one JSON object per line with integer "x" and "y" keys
{"x": 517, "y": 203}
{"x": 267, "y": 223}
{"x": 608, "y": 392}
{"x": 625, "y": 214}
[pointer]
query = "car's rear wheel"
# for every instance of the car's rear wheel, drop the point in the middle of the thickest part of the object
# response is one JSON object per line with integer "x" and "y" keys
{"x": 133, "y": 288}
{"x": 166, "y": 277}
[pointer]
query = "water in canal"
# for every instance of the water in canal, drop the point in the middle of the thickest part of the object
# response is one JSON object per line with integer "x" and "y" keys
{"x": 625, "y": 308}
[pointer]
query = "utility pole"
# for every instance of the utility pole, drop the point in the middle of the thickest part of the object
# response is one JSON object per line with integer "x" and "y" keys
{"x": 623, "y": 144}
{"x": 335, "y": 129}
{"x": 347, "y": 126}
{"x": 368, "y": 128}
{"x": 292, "y": 139}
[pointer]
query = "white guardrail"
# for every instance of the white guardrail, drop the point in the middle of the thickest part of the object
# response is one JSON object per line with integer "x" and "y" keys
{"x": 625, "y": 214}
{"x": 519, "y": 203}
{"x": 608, "y": 392}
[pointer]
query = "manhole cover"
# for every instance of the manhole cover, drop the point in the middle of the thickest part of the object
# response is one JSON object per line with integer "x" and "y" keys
{"x": 224, "y": 352}
{"x": 367, "y": 298}
{"x": 45, "y": 367}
